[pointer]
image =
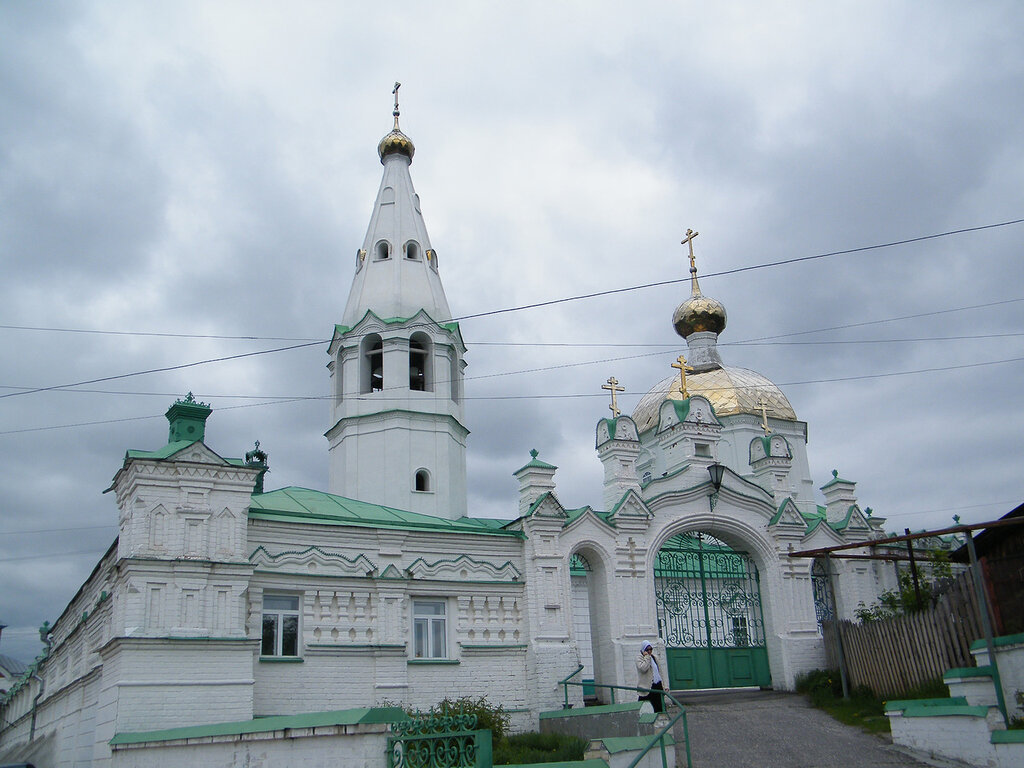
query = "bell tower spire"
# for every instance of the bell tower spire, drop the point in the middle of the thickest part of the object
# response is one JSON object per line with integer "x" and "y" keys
{"x": 396, "y": 361}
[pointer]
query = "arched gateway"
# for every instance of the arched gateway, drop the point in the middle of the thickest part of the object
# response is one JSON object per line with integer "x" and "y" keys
{"x": 709, "y": 613}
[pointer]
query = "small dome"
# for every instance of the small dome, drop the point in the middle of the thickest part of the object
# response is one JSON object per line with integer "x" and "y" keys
{"x": 396, "y": 142}
{"x": 730, "y": 391}
{"x": 699, "y": 313}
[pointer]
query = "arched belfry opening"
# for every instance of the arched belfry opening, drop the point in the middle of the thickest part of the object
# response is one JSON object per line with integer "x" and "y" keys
{"x": 420, "y": 374}
{"x": 371, "y": 366}
{"x": 710, "y": 613}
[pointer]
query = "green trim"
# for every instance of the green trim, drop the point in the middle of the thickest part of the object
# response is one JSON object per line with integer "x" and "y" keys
{"x": 953, "y": 710}
{"x": 682, "y": 408}
{"x": 602, "y": 709}
{"x": 961, "y": 672}
{"x": 898, "y": 704}
{"x": 1015, "y": 736}
{"x": 496, "y": 646}
{"x": 428, "y": 662}
{"x": 999, "y": 642}
{"x": 594, "y": 762}
{"x": 363, "y": 716}
{"x": 611, "y": 424}
{"x": 281, "y": 659}
{"x": 358, "y": 646}
{"x": 629, "y": 743}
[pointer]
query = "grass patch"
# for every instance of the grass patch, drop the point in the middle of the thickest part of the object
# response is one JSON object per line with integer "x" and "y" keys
{"x": 863, "y": 709}
{"x": 538, "y": 748}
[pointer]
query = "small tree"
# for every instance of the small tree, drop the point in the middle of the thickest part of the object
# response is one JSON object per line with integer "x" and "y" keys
{"x": 904, "y": 599}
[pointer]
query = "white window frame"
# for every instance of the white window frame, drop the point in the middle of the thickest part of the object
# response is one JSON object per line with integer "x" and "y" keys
{"x": 429, "y": 628}
{"x": 280, "y": 613}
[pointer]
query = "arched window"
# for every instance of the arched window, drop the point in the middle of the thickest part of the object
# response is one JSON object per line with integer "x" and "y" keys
{"x": 382, "y": 250}
{"x": 422, "y": 480}
{"x": 412, "y": 250}
{"x": 371, "y": 372}
{"x": 420, "y": 379}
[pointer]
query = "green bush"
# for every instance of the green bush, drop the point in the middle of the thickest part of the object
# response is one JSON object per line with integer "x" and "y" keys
{"x": 538, "y": 748}
{"x": 491, "y": 717}
{"x": 827, "y": 681}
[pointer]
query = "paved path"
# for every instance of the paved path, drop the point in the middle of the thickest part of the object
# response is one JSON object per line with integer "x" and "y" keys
{"x": 765, "y": 729}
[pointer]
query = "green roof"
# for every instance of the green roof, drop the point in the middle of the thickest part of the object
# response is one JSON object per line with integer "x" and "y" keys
{"x": 171, "y": 449}
{"x": 302, "y": 505}
{"x": 836, "y": 479}
{"x": 265, "y": 724}
{"x": 535, "y": 463}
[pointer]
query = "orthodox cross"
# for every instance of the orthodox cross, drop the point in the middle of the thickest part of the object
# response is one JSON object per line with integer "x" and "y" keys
{"x": 395, "y": 91}
{"x": 688, "y": 240}
{"x": 764, "y": 414}
{"x": 613, "y": 387}
{"x": 683, "y": 370}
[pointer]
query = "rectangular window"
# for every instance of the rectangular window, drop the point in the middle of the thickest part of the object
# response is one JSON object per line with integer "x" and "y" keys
{"x": 429, "y": 632}
{"x": 280, "y": 625}
{"x": 703, "y": 450}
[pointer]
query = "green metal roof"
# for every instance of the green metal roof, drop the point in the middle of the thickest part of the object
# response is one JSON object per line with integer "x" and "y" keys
{"x": 535, "y": 463}
{"x": 302, "y": 505}
{"x": 361, "y": 716}
{"x": 171, "y": 449}
{"x": 836, "y": 479}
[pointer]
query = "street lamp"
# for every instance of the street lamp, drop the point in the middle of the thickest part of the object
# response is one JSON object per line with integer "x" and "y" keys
{"x": 717, "y": 472}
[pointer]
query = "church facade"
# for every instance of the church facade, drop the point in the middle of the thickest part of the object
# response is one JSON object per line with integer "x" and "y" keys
{"x": 222, "y": 601}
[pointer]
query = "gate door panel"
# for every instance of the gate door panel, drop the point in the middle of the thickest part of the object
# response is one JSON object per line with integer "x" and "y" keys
{"x": 709, "y": 614}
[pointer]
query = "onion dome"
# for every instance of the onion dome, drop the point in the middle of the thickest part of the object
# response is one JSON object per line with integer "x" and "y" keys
{"x": 699, "y": 313}
{"x": 396, "y": 142}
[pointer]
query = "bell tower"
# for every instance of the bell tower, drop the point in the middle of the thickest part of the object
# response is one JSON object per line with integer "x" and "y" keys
{"x": 397, "y": 362}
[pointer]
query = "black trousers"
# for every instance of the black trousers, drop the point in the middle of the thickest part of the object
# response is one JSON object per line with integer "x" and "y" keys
{"x": 654, "y": 697}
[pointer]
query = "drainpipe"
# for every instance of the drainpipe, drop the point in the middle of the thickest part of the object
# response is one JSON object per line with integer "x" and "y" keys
{"x": 35, "y": 706}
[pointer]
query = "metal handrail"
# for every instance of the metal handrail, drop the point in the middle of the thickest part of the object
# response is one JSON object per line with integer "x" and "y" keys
{"x": 659, "y": 736}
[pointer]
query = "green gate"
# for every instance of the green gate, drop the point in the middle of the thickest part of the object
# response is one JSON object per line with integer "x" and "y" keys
{"x": 709, "y": 614}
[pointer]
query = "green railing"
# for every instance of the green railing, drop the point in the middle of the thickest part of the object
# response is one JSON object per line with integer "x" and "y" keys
{"x": 439, "y": 742}
{"x": 658, "y": 737}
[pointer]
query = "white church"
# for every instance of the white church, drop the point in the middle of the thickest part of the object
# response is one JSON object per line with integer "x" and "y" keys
{"x": 222, "y": 602}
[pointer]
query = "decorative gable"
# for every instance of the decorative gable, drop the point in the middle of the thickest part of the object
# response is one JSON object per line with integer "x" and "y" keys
{"x": 788, "y": 515}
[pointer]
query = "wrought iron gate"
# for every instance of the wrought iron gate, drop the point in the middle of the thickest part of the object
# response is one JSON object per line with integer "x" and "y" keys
{"x": 709, "y": 614}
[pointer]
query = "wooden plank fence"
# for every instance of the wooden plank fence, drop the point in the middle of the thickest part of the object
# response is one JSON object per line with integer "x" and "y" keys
{"x": 895, "y": 655}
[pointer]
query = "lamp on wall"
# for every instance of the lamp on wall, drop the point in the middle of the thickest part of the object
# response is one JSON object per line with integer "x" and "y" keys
{"x": 717, "y": 472}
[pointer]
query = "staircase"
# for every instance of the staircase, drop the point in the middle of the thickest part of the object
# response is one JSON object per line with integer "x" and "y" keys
{"x": 968, "y": 727}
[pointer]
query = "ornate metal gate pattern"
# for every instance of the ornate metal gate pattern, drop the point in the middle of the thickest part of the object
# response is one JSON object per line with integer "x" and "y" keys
{"x": 708, "y": 599}
{"x": 708, "y": 595}
{"x": 439, "y": 742}
{"x": 824, "y": 608}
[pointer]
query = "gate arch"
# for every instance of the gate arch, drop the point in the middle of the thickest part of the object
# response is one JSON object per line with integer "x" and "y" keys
{"x": 710, "y": 613}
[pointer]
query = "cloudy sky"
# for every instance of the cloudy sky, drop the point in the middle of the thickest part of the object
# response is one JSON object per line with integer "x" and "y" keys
{"x": 174, "y": 176}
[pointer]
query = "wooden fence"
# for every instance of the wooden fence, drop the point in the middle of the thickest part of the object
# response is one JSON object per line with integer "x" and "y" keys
{"x": 894, "y": 655}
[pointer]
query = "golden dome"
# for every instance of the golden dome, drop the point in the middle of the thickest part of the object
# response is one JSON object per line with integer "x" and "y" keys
{"x": 396, "y": 142}
{"x": 730, "y": 391}
{"x": 699, "y": 313}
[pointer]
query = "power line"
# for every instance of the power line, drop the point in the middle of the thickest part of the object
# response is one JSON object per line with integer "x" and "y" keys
{"x": 378, "y": 397}
{"x": 535, "y": 305}
{"x": 159, "y": 370}
{"x": 738, "y": 270}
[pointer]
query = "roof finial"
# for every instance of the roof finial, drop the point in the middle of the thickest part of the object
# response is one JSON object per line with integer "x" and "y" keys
{"x": 688, "y": 240}
{"x": 396, "y": 113}
{"x": 613, "y": 387}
